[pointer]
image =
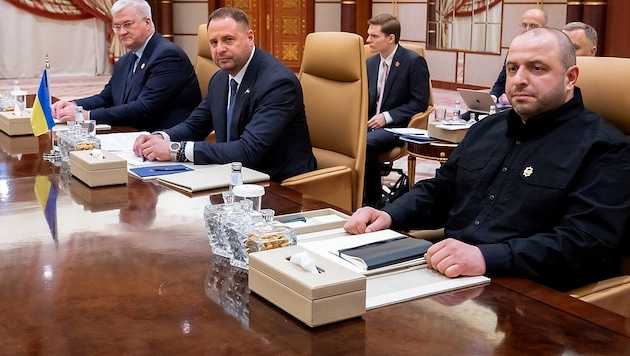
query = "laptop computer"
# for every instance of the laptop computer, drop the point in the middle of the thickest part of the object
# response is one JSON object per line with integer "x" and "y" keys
{"x": 477, "y": 101}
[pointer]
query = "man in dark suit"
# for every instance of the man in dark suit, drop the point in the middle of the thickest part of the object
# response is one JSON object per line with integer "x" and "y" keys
{"x": 267, "y": 129}
{"x": 153, "y": 86}
{"x": 406, "y": 92}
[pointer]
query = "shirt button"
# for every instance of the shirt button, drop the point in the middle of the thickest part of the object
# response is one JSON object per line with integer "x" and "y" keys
{"x": 504, "y": 169}
{"x": 491, "y": 197}
{"x": 518, "y": 142}
{"x": 477, "y": 222}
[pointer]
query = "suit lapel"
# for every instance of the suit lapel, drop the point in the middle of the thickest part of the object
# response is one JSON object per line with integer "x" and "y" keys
{"x": 244, "y": 90}
{"x": 393, "y": 72}
{"x": 142, "y": 63}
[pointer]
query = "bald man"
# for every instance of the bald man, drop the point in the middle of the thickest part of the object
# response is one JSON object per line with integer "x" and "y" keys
{"x": 583, "y": 37}
{"x": 523, "y": 194}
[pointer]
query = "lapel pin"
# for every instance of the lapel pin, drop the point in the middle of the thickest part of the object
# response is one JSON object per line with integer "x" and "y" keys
{"x": 397, "y": 64}
{"x": 247, "y": 91}
{"x": 142, "y": 66}
{"x": 528, "y": 171}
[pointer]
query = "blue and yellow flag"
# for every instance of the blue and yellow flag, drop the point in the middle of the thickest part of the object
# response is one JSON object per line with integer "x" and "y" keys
{"x": 41, "y": 118}
{"x": 46, "y": 193}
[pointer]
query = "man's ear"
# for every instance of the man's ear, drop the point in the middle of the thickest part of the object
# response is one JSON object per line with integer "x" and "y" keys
{"x": 571, "y": 76}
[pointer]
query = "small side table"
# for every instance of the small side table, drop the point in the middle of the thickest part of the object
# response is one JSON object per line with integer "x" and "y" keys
{"x": 436, "y": 151}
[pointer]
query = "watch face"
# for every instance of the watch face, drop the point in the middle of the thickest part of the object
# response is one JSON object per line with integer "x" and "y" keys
{"x": 175, "y": 146}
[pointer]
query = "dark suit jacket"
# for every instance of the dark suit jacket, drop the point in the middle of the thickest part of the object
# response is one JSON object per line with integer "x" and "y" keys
{"x": 406, "y": 89}
{"x": 163, "y": 91}
{"x": 269, "y": 131}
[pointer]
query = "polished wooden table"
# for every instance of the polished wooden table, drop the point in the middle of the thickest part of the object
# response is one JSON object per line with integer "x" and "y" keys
{"x": 435, "y": 151}
{"x": 128, "y": 270}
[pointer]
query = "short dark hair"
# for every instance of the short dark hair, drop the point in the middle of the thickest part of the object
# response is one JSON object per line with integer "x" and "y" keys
{"x": 389, "y": 25}
{"x": 237, "y": 14}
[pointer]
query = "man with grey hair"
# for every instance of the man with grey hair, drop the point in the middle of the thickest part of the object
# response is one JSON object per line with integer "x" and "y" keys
{"x": 153, "y": 86}
{"x": 539, "y": 191}
{"x": 583, "y": 37}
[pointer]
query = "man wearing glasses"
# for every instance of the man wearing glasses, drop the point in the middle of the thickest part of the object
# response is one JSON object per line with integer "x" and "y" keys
{"x": 153, "y": 86}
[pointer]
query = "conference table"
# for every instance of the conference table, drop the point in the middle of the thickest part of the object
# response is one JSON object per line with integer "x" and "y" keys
{"x": 128, "y": 270}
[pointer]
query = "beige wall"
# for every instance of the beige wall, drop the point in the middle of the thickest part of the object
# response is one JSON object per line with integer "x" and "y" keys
{"x": 448, "y": 66}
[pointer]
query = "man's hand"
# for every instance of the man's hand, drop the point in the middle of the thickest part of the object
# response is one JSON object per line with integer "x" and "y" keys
{"x": 367, "y": 220}
{"x": 152, "y": 147}
{"x": 377, "y": 121}
{"x": 64, "y": 111}
{"x": 454, "y": 258}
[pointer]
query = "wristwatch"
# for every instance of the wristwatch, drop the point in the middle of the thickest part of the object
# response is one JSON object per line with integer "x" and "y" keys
{"x": 175, "y": 146}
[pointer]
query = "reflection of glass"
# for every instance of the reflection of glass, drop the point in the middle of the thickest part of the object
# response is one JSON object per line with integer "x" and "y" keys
{"x": 228, "y": 286}
{"x": 469, "y": 25}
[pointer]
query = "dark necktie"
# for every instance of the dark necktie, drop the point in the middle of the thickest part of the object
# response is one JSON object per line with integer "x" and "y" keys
{"x": 131, "y": 71}
{"x": 233, "y": 89}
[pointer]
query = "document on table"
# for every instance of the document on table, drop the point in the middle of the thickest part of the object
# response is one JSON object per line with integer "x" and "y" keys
{"x": 121, "y": 143}
{"x": 207, "y": 177}
{"x": 385, "y": 285}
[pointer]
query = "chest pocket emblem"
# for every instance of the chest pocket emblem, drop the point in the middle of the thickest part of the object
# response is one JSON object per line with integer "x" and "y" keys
{"x": 528, "y": 171}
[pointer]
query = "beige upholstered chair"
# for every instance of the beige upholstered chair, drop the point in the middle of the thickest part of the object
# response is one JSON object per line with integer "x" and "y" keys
{"x": 603, "y": 82}
{"x": 419, "y": 120}
{"x": 334, "y": 81}
{"x": 204, "y": 66}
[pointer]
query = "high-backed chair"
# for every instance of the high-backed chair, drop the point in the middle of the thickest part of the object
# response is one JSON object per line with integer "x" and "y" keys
{"x": 334, "y": 80}
{"x": 419, "y": 120}
{"x": 204, "y": 65}
{"x": 603, "y": 83}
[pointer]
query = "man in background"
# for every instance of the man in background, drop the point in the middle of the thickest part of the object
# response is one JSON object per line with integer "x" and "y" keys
{"x": 398, "y": 87}
{"x": 256, "y": 110}
{"x": 152, "y": 87}
{"x": 523, "y": 194}
{"x": 583, "y": 37}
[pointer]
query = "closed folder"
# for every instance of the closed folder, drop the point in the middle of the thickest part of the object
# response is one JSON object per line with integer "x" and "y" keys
{"x": 386, "y": 252}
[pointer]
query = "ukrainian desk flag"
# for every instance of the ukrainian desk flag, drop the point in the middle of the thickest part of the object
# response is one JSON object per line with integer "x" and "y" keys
{"x": 41, "y": 118}
{"x": 46, "y": 193}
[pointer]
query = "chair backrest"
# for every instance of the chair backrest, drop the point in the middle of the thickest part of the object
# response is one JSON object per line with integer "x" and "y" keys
{"x": 420, "y": 50}
{"x": 204, "y": 65}
{"x": 603, "y": 82}
{"x": 334, "y": 81}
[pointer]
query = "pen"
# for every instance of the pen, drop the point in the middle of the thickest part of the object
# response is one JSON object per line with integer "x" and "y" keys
{"x": 169, "y": 169}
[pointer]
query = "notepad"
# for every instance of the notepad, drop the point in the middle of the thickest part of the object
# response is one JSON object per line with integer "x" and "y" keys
{"x": 209, "y": 177}
{"x": 153, "y": 171}
{"x": 386, "y": 252}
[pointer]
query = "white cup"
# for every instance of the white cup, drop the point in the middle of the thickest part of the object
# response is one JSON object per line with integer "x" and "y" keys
{"x": 251, "y": 192}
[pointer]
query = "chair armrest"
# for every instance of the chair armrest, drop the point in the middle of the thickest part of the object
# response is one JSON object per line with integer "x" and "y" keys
{"x": 332, "y": 185}
{"x": 612, "y": 294}
{"x": 421, "y": 119}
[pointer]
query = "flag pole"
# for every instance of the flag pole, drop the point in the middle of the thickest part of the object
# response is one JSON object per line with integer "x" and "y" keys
{"x": 54, "y": 155}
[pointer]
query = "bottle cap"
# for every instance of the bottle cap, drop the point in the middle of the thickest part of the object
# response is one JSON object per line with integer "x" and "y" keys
{"x": 237, "y": 166}
{"x": 248, "y": 190}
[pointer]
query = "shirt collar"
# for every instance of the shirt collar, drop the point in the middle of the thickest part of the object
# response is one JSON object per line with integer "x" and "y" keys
{"x": 140, "y": 51}
{"x": 389, "y": 58}
{"x": 241, "y": 73}
{"x": 545, "y": 121}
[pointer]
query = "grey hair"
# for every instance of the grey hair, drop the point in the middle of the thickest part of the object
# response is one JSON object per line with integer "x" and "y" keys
{"x": 141, "y": 7}
{"x": 591, "y": 33}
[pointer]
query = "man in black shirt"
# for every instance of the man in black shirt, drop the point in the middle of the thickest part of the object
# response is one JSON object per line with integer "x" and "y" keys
{"x": 539, "y": 191}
